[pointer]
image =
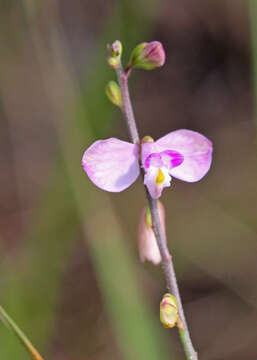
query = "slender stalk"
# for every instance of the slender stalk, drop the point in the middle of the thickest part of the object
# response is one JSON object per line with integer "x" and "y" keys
{"x": 9, "y": 323}
{"x": 127, "y": 106}
{"x": 167, "y": 263}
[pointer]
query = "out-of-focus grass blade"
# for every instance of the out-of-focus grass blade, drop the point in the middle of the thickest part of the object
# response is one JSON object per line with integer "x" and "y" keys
{"x": 252, "y": 4}
{"x": 31, "y": 295}
{"x": 253, "y": 27}
{"x": 10, "y": 324}
{"x": 137, "y": 330}
{"x": 30, "y": 286}
{"x": 138, "y": 334}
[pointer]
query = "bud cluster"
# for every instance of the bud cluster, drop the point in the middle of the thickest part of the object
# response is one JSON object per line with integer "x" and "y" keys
{"x": 116, "y": 51}
{"x": 147, "y": 56}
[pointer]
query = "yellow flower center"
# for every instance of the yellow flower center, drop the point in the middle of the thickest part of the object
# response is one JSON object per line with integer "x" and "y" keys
{"x": 160, "y": 177}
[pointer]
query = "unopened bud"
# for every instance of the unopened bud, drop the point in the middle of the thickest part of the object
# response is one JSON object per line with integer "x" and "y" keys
{"x": 113, "y": 93}
{"x": 148, "y": 56}
{"x": 113, "y": 62}
{"x": 147, "y": 244}
{"x": 116, "y": 48}
{"x": 147, "y": 139}
{"x": 169, "y": 311}
{"x": 115, "y": 51}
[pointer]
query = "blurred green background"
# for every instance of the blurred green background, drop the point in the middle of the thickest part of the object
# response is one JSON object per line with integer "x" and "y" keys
{"x": 69, "y": 272}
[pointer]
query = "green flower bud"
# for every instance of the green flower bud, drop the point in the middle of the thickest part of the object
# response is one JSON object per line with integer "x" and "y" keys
{"x": 147, "y": 139}
{"x": 113, "y": 93}
{"x": 113, "y": 62}
{"x": 147, "y": 56}
{"x": 169, "y": 311}
{"x": 148, "y": 217}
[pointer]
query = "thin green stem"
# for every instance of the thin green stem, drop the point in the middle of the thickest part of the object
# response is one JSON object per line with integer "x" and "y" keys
{"x": 10, "y": 324}
{"x": 167, "y": 263}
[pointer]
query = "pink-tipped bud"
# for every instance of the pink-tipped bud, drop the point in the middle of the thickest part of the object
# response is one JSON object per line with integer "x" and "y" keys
{"x": 148, "y": 56}
{"x": 115, "y": 50}
{"x": 169, "y": 311}
{"x": 147, "y": 245}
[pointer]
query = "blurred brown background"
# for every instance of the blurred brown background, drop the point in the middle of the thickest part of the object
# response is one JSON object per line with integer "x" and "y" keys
{"x": 52, "y": 77}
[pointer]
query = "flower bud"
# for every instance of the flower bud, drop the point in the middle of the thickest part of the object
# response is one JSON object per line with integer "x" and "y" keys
{"x": 113, "y": 62}
{"x": 116, "y": 48}
{"x": 147, "y": 139}
{"x": 169, "y": 311}
{"x": 147, "y": 56}
{"x": 116, "y": 51}
{"x": 113, "y": 93}
{"x": 147, "y": 245}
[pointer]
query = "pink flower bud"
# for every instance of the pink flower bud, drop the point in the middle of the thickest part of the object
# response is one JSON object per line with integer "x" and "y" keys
{"x": 148, "y": 56}
{"x": 147, "y": 245}
{"x": 115, "y": 50}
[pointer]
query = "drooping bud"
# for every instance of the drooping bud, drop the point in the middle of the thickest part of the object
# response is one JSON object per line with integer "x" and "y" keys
{"x": 113, "y": 93}
{"x": 148, "y": 56}
{"x": 169, "y": 311}
{"x": 115, "y": 50}
{"x": 147, "y": 245}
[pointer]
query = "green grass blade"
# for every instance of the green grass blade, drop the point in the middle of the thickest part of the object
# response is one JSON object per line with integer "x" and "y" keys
{"x": 10, "y": 324}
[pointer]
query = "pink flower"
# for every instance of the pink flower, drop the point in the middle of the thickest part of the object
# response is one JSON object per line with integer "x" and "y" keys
{"x": 113, "y": 165}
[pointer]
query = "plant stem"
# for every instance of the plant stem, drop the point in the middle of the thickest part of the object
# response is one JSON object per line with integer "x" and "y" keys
{"x": 167, "y": 263}
{"x": 127, "y": 106}
{"x": 8, "y": 321}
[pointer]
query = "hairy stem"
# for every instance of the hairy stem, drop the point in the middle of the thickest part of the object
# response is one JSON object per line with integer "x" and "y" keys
{"x": 167, "y": 263}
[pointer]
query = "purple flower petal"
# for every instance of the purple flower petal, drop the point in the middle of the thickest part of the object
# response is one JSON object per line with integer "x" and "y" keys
{"x": 168, "y": 158}
{"x": 112, "y": 164}
{"x": 171, "y": 158}
{"x": 196, "y": 150}
{"x": 153, "y": 159}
